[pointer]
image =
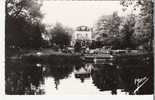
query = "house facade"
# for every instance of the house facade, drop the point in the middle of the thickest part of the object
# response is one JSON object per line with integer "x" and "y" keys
{"x": 82, "y": 33}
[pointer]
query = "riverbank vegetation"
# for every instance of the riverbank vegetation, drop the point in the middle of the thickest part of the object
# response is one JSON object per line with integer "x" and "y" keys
{"x": 134, "y": 31}
{"x": 25, "y": 32}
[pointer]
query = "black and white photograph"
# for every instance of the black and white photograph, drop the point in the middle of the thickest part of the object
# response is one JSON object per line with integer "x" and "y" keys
{"x": 79, "y": 47}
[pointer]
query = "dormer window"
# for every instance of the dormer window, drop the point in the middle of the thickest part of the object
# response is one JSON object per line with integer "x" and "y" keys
{"x": 82, "y": 28}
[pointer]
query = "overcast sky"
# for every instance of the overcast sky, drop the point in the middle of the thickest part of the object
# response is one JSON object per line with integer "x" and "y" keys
{"x": 76, "y": 13}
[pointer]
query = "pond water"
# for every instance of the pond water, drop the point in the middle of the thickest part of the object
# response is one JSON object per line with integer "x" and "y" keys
{"x": 23, "y": 78}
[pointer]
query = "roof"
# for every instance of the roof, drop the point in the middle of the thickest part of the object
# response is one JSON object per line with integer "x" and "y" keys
{"x": 83, "y": 28}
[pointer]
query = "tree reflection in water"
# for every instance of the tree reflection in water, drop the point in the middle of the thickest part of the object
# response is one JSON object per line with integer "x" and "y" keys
{"x": 134, "y": 77}
{"x": 58, "y": 72}
{"x": 30, "y": 78}
{"x": 105, "y": 77}
{"x": 83, "y": 71}
{"x": 23, "y": 78}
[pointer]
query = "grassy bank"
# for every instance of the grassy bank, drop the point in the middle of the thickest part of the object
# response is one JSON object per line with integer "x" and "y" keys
{"x": 45, "y": 56}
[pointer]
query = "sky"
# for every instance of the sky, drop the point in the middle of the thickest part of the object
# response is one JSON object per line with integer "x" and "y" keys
{"x": 76, "y": 13}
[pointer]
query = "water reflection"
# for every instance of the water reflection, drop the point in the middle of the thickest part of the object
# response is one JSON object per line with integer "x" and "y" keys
{"x": 23, "y": 79}
{"x": 58, "y": 72}
{"x": 106, "y": 78}
{"x": 138, "y": 80}
{"x": 82, "y": 78}
{"x": 84, "y": 71}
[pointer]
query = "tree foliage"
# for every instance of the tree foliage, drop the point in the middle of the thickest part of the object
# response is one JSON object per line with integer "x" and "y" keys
{"x": 114, "y": 24}
{"x": 127, "y": 32}
{"x": 131, "y": 31}
{"x": 29, "y": 9}
{"x": 61, "y": 36}
{"x": 144, "y": 24}
{"x": 23, "y": 25}
{"x": 107, "y": 28}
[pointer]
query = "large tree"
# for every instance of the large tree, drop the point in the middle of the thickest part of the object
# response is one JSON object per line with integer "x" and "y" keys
{"x": 23, "y": 23}
{"x": 127, "y": 32}
{"x": 144, "y": 24}
{"x": 30, "y": 9}
{"x": 107, "y": 30}
{"x": 61, "y": 36}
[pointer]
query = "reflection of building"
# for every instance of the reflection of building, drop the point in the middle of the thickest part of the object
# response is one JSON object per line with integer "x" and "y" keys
{"x": 82, "y": 33}
{"x": 84, "y": 72}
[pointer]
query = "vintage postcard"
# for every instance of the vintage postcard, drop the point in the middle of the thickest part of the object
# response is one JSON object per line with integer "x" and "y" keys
{"x": 79, "y": 47}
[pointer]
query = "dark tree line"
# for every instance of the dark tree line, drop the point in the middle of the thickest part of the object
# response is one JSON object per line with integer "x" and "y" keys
{"x": 23, "y": 28}
{"x": 23, "y": 34}
{"x": 143, "y": 28}
{"x": 134, "y": 31}
{"x": 60, "y": 35}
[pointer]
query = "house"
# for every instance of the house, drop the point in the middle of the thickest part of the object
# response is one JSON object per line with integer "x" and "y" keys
{"x": 82, "y": 33}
